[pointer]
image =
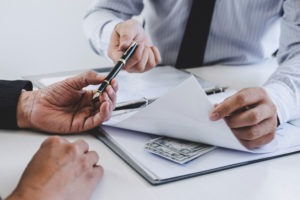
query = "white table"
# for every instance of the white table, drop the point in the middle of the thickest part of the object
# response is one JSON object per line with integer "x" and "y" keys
{"x": 274, "y": 179}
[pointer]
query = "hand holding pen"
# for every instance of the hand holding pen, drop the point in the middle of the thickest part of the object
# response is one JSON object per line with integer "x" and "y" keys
{"x": 113, "y": 73}
{"x": 146, "y": 57}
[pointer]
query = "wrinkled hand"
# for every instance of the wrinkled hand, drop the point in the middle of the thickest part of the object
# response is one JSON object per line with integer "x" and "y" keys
{"x": 145, "y": 57}
{"x": 60, "y": 170}
{"x": 64, "y": 107}
{"x": 250, "y": 114}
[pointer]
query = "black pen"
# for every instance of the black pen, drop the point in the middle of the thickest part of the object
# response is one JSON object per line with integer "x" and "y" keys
{"x": 113, "y": 73}
{"x": 139, "y": 103}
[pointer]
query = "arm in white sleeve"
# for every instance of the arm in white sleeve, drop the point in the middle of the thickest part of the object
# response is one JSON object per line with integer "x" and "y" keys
{"x": 284, "y": 85}
{"x": 103, "y": 16}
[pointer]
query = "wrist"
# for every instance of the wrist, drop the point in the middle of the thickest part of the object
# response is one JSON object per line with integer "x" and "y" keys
{"x": 24, "y": 195}
{"x": 24, "y": 109}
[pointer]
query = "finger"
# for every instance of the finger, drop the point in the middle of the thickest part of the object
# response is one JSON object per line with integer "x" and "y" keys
{"x": 251, "y": 144}
{"x": 140, "y": 66}
{"x": 86, "y": 100}
{"x": 151, "y": 60}
{"x": 254, "y": 132}
{"x": 128, "y": 35}
{"x": 111, "y": 95}
{"x": 114, "y": 51}
{"x": 82, "y": 146}
{"x": 245, "y": 97}
{"x": 99, "y": 117}
{"x": 107, "y": 99}
{"x": 85, "y": 79}
{"x": 132, "y": 33}
{"x": 156, "y": 54}
{"x": 95, "y": 174}
{"x": 114, "y": 85}
{"x": 250, "y": 117}
{"x": 135, "y": 58}
{"x": 92, "y": 158}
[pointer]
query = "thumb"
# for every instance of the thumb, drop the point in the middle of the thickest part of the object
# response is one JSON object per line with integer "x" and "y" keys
{"x": 84, "y": 79}
{"x": 132, "y": 31}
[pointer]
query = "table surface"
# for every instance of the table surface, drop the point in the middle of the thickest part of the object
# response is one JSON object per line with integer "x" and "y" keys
{"x": 272, "y": 179}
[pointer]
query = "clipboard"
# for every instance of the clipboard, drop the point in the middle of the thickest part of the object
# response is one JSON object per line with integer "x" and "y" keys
{"x": 151, "y": 167}
{"x": 157, "y": 171}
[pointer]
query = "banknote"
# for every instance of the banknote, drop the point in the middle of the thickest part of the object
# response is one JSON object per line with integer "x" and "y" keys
{"x": 179, "y": 151}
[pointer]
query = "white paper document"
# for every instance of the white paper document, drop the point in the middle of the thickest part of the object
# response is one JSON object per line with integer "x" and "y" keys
{"x": 183, "y": 113}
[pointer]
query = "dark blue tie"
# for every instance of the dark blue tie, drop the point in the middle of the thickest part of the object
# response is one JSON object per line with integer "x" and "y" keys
{"x": 193, "y": 44}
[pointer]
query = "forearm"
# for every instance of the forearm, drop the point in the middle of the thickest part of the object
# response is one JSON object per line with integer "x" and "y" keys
{"x": 284, "y": 89}
{"x": 284, "y": 85}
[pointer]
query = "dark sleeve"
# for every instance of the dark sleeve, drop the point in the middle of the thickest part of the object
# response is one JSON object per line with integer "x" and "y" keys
{"x": 9, "y": 96}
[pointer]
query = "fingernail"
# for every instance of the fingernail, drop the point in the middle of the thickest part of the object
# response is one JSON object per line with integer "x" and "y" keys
{"x": 214, "y": 116}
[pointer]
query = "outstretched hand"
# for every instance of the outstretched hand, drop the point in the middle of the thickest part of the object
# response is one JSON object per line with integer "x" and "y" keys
{"x": 65, "y": 107}
{"x": 145, "y": 57}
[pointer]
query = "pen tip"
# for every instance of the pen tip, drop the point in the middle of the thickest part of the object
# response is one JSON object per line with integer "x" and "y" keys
{"x": 96, "y": 97}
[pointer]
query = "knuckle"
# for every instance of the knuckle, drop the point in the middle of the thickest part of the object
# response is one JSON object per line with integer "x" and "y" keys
{"x": 139, "y": 67}
{"x": 137, "y": 56}
{"x": 241, "y": 98}
{"x": 254, "y": 116}
{"x": 151, "y": 63}
{"x": 253, "y": 133}
{"x": 72, "y": 149}
{"x": 90, "y": 175}
{"x": 225, "y": 110}
{"x": 262, "y": 91}
{"x": 52, "y": 141}
{"x": 273, "y": 108}
{"x": 89, "y": 73}
{"x": 95, "y": 173}
{"x": 249, "y": 145}
{"x": 125, "y": 36}
{"x": 84, "y": 163}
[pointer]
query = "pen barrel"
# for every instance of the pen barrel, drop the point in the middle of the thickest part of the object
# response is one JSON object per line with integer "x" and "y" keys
{"x": 103, "y": 86}
{"x": 115, "y": 71}
{"x": 112, "y": 74}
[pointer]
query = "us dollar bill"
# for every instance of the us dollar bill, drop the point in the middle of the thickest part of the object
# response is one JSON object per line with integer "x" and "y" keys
{"x": 179, "y": 151}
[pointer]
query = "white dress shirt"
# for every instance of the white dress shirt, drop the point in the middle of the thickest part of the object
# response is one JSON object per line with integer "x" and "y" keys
{"x": 241, "y": 32}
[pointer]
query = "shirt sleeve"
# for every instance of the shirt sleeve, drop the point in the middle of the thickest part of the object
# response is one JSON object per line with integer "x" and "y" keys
{"x": 9, "y": 97}
{"x": 101, "y": 18}
{"x": 284, "y": 85}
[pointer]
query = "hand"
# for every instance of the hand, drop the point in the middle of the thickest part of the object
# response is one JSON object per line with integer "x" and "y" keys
{"x": 60, "y": 170}
{"x": 64, "y": 107}
{"x": 250, "y": 114}
{"x": 145, "y": 57}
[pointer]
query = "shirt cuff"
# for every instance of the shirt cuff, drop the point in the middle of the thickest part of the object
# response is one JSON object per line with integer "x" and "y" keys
{"x": 9, "y": 97}
{"x": 105, "y": 35}
{"x": 283, "y": 100}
